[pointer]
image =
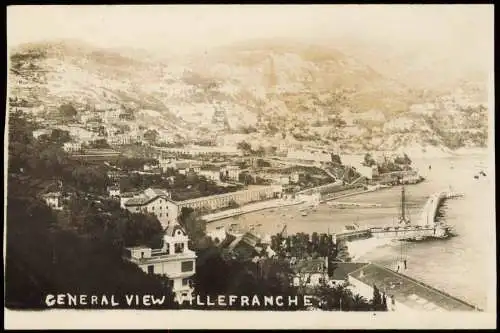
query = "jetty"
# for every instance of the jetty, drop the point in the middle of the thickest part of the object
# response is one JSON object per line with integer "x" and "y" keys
{"x": 425, "y": 227}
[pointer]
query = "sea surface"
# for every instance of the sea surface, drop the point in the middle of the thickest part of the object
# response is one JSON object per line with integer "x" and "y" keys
{"x": 463, "y": 266}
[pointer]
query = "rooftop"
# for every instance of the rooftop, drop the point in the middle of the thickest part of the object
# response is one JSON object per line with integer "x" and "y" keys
{"x": 309, "y": 266}
{"x": 406, "y": 290}
{"x": 210, "y": 168}
{"x": 343, "y": 269}
{"x": 250, "y": 188}
{"x": 52, "y": 194}
{"x": 171, "y": 229}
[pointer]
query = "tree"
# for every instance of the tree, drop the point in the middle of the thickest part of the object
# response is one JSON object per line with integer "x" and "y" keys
{"x": 194, "y": 226}
{"x": 59, "y": 137}
{"x": 377, "y": 301}
{"x": 99, "y": 144}
{"x": 336, "y": 159}
{"x": 369, "y": 160}
{"x": 67, "y": 111}
{"x": 151, "y": 135}
{"x": 62, "y": 260}
{"x": 245, "y": 147}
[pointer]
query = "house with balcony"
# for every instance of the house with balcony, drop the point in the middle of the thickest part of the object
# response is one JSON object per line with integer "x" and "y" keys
{"x": 173, "y": 260}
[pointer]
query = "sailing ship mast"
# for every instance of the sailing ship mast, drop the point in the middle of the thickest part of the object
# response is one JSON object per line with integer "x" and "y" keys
{"x": 403, "y": 216}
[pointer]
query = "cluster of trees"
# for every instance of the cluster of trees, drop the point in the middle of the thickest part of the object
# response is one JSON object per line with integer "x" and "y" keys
{"x": 44, "y": 258}
{"x": 44, "y": 159}
{"x": 247, "y": 150}
{"x": 219, "y": 273}
{"x": 302, "y": 245}
{"x": 399, "y": 163}
{"x": 151, "y": 135}
{"x": 133, "y": 163}
{"x": 67, "y": 111}
{"x": 77, "y": 251}
{"x": 99, "y": 144}
{"x": 103, "y": 219}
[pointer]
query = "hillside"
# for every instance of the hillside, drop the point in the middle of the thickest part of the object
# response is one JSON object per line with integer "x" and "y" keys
{"x": 306, "y": 93}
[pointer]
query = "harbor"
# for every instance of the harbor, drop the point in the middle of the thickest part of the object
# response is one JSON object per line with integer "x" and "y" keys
{"x": 462, "y": 254}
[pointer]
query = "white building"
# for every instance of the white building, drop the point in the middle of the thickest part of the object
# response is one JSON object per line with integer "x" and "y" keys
{"x": 114, "y": 191}
{"x": 40, "y": 132}
{"x": 174, "y": 260}
{"x": 182, "y": 166}
{"x": 284, "y": 180}
{"x": 231, "y": 172}
{"x": 213, "y": 202}
{"x": 120, "y": 139}
{"x": 212, "y": 174}
{"x": 153, "y": 201}
{"x": 54, "y": 200}
{"x": 72, "y": 147}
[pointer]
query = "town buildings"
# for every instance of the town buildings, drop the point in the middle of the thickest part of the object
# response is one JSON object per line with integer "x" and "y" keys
{"x": 182, "y": 166}
{"x": 309, "y": 272}
{"x": 173, "y": 260}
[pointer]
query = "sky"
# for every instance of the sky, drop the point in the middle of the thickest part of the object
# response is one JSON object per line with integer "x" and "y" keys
{"x": 191, "y": 27}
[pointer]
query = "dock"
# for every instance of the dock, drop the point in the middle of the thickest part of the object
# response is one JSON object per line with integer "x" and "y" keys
{"x": 426, "y": 225}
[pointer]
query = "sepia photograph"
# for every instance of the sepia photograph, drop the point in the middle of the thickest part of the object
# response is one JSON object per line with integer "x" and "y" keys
{"x": 250, "y": 166}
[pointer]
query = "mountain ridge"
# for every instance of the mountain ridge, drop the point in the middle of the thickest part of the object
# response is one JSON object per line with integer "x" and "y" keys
{"x": 272, "y": 86}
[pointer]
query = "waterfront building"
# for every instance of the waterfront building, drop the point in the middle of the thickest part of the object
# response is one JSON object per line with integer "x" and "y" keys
{"x": 403, "y": 293}
{"x": 173, "y": 260}
{"x": 218, "y": 201}
{"x": 53, "y": 200}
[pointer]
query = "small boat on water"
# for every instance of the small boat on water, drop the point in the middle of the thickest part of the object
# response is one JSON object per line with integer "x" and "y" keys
{"x": 304, "y": 213}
